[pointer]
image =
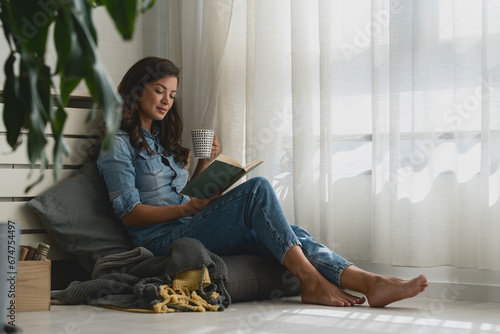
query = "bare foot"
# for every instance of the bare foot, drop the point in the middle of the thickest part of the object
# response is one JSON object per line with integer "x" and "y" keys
{"x": 386, "y": 290}
{"x": 325, "y": 293}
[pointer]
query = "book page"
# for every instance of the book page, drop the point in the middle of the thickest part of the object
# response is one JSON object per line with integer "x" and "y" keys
{"x": 228, "y": 160}
{"x": 252, "y": 165}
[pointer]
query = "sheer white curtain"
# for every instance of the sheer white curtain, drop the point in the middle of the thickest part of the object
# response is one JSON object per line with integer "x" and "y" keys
{"x": 378, "y": 122}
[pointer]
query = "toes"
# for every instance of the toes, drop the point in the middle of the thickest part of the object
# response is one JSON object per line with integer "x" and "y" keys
{"x": 357, "y": 300}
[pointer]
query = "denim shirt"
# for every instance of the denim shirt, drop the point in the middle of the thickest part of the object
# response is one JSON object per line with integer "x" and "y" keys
{"x": 133, "y": 176}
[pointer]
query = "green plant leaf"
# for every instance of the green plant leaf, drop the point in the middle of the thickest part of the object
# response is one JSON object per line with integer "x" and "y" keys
{"x": 40, "y": 179}
{"x": 13, "y": 111}
{"x": 60, "y": 147}
{"x": 32, "y": 26}
{"x": 82, "y": 10}
{"x": 43, "y": 85}
{"x": 58, "y": 121}
{"x": 62, "y": 38}
{"x": 29, "y": 73}
{"x": 37, "y": 181}
{"x": 69, "y": 52}
{"x": 123, "y": 13}
{"x": 147, "y": 4}
{"x": 67, "y": 87}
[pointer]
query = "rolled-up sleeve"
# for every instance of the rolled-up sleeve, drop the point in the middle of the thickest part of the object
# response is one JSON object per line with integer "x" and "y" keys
{"x": 116, "y": 167}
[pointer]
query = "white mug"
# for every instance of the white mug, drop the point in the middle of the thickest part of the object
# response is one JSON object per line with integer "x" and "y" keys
{"x": 202, "y": 142}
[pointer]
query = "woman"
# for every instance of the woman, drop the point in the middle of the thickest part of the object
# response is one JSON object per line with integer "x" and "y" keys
{"x": 146, "y": 170}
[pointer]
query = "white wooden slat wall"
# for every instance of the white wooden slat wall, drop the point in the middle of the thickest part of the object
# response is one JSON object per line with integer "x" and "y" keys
{"x": 16, "y": 173}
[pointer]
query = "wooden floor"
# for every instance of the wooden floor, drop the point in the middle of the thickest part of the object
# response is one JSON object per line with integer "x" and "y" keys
{"x": 288, "y": 315}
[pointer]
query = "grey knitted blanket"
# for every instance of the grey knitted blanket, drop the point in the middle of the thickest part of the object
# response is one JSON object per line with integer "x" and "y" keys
{"x": 134, "y": 280}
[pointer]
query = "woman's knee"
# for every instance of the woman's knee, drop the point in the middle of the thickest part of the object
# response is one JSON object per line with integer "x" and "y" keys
{"x": 259, "y": 181}
{"x": 258, "y": 185}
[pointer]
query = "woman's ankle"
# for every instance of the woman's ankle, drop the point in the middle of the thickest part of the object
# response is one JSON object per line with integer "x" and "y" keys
{"x": 296, "y": 262}
{"x": 359, "y": 280}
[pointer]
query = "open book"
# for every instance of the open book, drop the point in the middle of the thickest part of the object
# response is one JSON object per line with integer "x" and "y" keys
{"x": 221, "y": 174}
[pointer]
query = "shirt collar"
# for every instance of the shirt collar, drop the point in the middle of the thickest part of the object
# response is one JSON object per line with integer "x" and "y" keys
{"x": 155, "y": 130}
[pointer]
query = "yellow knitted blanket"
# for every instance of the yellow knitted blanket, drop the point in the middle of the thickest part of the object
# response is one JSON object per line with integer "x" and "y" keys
{"x": 181, "y": 295}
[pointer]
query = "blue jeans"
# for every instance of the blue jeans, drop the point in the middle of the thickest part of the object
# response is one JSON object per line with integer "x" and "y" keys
{"x": 249, "y": 220}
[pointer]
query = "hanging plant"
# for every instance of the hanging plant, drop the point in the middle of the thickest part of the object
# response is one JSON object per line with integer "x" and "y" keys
{"x": 28, "y": 92}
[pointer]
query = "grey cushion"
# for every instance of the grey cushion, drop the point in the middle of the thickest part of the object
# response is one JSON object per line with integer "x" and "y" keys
{"x": 77, "y": 214}
{"x": 252, "y": 277}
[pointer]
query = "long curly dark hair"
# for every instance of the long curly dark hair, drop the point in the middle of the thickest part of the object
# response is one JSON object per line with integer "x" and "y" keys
{"x": 131, "y": 87}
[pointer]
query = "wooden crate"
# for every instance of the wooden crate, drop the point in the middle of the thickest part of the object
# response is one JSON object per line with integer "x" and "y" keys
{"x": 33, "y": 286}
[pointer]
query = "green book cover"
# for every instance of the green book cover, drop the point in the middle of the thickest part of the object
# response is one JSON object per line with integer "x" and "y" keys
{"x": 221, "y": 174}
